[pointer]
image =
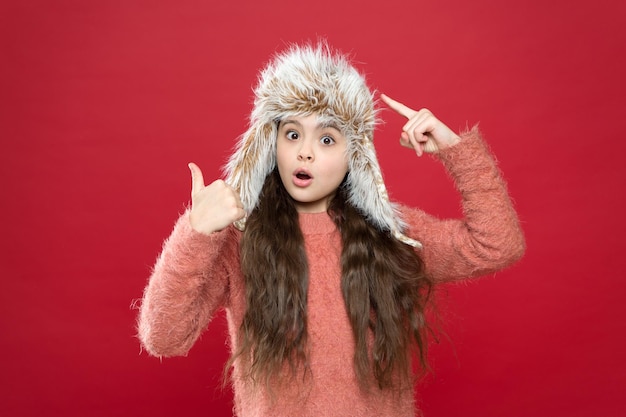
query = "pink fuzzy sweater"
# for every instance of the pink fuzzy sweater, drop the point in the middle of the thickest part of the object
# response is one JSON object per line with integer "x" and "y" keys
{"x": 196, "y": 275}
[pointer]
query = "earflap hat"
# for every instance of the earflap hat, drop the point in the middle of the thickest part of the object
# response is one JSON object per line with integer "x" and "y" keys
{"x": 298, "y": 82}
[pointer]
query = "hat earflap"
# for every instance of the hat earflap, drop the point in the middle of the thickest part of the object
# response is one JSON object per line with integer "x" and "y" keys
{"x": 253, "y": 160}
{"x": 367, "y": 191}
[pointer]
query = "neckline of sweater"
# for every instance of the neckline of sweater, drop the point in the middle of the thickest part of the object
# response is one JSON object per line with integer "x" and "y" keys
{"x": 316, "y": 223}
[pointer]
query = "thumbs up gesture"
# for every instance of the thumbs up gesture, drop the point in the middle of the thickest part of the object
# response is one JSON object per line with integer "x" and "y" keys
{"x": 213, "y": 207}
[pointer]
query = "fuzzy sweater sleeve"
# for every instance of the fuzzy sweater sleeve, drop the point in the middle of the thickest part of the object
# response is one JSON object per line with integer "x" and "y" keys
{"x": 489, "y": 236}
{"x": 189, "y": 283}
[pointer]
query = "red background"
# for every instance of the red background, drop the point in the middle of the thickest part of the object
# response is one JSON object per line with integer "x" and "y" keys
{"x": 104, "y": 103}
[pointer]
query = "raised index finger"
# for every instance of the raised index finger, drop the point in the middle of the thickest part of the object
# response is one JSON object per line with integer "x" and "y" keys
{"x": 398, "y": 107}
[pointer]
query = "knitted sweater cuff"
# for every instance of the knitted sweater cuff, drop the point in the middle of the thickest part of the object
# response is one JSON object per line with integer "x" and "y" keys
{"x": 200, "y": 246}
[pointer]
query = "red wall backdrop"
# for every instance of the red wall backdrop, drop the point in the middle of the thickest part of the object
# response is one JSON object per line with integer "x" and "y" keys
{"x": 103, "y": 103}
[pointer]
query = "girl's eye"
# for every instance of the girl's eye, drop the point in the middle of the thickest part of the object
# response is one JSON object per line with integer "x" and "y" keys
{"x": 327, "y": 140}
{"x": 291, "y": 135}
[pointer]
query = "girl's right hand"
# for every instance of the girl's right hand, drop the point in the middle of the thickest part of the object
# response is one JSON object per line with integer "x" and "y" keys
{"x": 213, "y": 207}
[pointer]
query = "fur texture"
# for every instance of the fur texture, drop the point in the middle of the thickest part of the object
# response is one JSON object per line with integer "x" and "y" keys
{"x": 301, "y": 81}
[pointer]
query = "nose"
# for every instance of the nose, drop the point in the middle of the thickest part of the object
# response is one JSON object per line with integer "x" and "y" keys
{"x": 305, "y": 153}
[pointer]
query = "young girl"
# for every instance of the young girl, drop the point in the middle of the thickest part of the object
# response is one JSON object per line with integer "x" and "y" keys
{"x": 325, "y": 282}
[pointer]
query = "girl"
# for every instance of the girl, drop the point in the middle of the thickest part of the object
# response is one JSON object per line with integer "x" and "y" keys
{"x": 325, "y": 282}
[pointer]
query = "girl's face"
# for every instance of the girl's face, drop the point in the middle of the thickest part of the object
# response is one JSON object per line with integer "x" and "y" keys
{"x": 311, "y": 160}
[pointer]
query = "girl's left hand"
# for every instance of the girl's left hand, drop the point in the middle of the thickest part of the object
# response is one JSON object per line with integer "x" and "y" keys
{"x": 423, "y": 132}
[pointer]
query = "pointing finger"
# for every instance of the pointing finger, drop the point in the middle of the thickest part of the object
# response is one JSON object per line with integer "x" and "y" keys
{"x": 398, "y": 107}
{"x": 197, "y": 181}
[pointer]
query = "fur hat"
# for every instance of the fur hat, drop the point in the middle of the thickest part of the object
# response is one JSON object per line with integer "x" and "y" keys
{"x": 298, "y": 82}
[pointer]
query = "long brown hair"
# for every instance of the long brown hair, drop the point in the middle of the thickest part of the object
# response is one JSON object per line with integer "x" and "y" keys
{"x": 383, "y": 282}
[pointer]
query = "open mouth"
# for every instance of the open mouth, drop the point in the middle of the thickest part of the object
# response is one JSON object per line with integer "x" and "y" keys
{"x": 303, "y": 176}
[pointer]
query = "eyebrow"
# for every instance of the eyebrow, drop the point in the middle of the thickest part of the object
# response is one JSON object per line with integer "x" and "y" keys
{"x": 288, "y": 121}
{"x": 324, "y": 125}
